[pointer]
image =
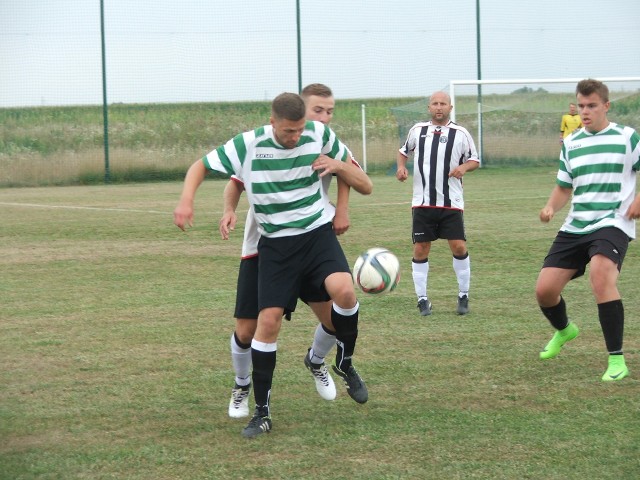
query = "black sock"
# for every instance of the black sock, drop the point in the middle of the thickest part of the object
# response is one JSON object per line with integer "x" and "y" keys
{"x": 346, "y": 336}
{"x": 244, "y": 346}
{"x": 264, "y": 364}
{"x": 611, "y": 316}
{"x": 557, "y": 315}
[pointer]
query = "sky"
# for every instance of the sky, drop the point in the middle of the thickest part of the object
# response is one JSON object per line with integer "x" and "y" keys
{"x": 211, "y": 50}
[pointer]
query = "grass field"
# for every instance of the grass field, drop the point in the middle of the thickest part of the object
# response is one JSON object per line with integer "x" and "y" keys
{"x": 115, "y": 326}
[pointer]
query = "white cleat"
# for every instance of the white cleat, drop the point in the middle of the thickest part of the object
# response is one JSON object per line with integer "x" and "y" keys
{"x": 324, "y": 382}
{"x": 239, "y": 404}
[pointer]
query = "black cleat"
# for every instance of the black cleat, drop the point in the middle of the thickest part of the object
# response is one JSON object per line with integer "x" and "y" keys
{"x": 463, "y": 305}
{"x": 424, "y": 305}
{"x": 259, "y": 424}
{"x": 355, "y": 385}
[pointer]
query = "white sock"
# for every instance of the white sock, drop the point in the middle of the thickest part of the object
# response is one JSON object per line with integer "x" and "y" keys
{"x": 241, "y": 360}
{"x": 463, "y": 273}
{"x": 323, "y": 342}
{"x": 420, "y": 272}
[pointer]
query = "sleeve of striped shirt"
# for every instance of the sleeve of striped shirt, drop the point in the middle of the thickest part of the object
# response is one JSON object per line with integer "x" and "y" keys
{"x": 409, "y": 144}
{"x": 333, "y": 147}
{"x": 229, "y": 158}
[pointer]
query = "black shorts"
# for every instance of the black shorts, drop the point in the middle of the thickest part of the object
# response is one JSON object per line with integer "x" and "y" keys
{"x": 429, "y": 224}
{"x": 247, "y": 290}
{"x": 297, "y": 266}
{"x": 573, "y": 251}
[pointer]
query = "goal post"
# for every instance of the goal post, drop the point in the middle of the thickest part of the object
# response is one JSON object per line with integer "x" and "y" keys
{"x": 518, "y": 120}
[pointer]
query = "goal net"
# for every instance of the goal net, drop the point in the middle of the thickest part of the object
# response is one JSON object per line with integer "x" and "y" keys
{"x": 517, "y": 122}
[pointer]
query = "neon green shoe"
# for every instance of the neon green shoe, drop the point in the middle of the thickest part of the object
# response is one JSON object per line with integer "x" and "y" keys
{"x": 617, "y": 369}
{"x": 552, "y": 349}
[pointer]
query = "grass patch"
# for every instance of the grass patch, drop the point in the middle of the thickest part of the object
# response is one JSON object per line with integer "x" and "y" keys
{"x": 43, "y": 146}
{"x": 115, "y": 328}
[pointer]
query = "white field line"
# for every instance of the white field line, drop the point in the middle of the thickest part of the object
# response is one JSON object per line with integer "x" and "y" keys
{"x": 76, "y": 207}
{"x": 133, "y": 210}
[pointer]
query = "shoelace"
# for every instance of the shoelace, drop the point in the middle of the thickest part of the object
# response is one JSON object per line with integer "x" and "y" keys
{"x": 238, "y": 396}
{"x": 321, "y": 374}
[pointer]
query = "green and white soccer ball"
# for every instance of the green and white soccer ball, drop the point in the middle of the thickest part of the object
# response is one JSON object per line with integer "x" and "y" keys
{"x": 376, "y": 271}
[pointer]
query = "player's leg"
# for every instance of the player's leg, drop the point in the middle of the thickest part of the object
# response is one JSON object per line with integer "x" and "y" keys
{"x": 606, "y": 264}
{"x": 323, "y": 340}
{"x": 420, "y": 275}
{"x": 240, "y": 345}
{"x": 278, "y": 288}
{"x": 423, "y": 233}
{"x": 263, "y": 356}
{"x": 551, "y": 281}
{"x": 246, "y": 313}
{"x": 325, "y": 334}
{"x": 567, "y": 259}
{"x": 462, "y": 269}
{"x": 344, "y": 317}
{"x": 327, "y": 267}
{"x": 451, "y": 227}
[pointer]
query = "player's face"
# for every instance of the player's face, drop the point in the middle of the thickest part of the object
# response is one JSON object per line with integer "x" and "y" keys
{"x": 572, "y": 109}
{"x": 320, "y": 109}
{"x": 287, "y": 132}
{"x": 440, "y": 108}
{"x": 593, "y": 112}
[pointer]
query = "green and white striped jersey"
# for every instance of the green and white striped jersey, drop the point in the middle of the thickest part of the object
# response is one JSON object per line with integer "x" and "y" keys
{"x": 285, "y": 192}
{"x": 601, "y": 169}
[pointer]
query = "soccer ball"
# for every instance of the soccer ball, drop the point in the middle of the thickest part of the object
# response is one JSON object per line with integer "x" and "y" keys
{"x": 376, "y": 271}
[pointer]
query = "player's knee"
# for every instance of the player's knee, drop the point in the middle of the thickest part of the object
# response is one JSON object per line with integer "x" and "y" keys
{"x": 545, "y": 296}
{"x": 245, "y": 329}
{"x": 341, "y": 290}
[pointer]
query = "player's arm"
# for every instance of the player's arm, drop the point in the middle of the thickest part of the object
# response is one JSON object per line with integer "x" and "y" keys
{"x": 341, "y": 222}
{"x": 460, "y": 170}
{"x": 230, "y": 197}
{"x": 401, "y": 167}
{"x": 183, "y": 213}
{"x": 351, "y": 174}
{"x": 634, "y": 209}
{"x": 557, "y": 200}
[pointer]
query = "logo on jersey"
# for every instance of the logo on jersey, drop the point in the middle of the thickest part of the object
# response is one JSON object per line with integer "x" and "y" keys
{"x": 264, "y": 155}
{"x": 443, "y": 139}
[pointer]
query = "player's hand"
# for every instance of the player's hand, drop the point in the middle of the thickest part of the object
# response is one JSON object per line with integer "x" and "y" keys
{"x": 327, "y": 165}
{"x": 183, "y": 216}
{"x": 546, "y": 214}
{"x": 402, "y": 174}
{"x": 226, "y": 224}
{"x": 458, "y": 172}
{"x": 633, "y": 212}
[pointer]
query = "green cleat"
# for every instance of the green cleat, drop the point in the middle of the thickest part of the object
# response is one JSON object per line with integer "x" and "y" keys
{"x": 617, "y": 369}
{"x": 552, "y": 349}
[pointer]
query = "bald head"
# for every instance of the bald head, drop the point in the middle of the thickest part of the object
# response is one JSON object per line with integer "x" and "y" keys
{"x": 440, "y": 108}
{"x": 440, "y": 96}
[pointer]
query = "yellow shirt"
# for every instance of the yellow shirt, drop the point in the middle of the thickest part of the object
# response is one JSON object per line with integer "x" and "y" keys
{"x": 569, "y": 124}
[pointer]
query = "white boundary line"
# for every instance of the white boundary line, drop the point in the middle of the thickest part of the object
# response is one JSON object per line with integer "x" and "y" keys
{"x": 72, "y": 207}
{"x": 157, "y": 212}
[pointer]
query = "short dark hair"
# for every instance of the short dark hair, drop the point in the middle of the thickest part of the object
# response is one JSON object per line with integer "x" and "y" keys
{"x": 288, "y": 106}
{"x": 588, "y": 86}
{"x": 317, "y": 89}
